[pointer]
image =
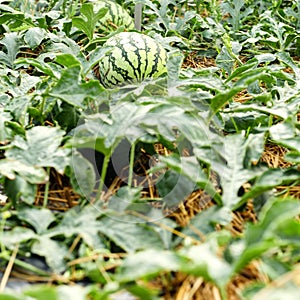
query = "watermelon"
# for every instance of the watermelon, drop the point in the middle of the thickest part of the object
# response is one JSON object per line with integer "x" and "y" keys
{"x": 133, "y": 57}
{"x": 116, "y": 16}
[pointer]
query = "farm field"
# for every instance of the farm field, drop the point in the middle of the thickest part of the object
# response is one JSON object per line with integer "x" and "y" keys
{"x": 149, "y": 150}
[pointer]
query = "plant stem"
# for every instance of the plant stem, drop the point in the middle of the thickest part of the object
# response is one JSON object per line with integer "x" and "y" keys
{"x": 6, "y": 207}
{"x": 131, "y": 163}
{"x": 8, "y": 269}
{"x": 138, "y": 16}
{"x": 102, "y": 178}
{"x": 228, "y": 45}
{"x": 46, "y": 189}
{"x": 223, "y": 293}
{"x": 5, "y": 255}
{"x": 2, "y": 224}
{"x": 234, "y": 124}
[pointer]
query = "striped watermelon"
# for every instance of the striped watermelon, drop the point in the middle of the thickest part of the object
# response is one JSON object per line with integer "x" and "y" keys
{"x": 133, "y": 58}
{"x": 116, "y": 16}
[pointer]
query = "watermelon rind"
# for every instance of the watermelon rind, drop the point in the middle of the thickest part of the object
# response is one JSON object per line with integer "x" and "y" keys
{"x": 134, "y": 56}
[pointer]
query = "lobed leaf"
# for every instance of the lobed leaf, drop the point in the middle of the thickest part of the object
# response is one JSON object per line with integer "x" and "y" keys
{"x": 69, "y": 87}
{"x": 147, "y": 264}
{"x": 89, "y": 20}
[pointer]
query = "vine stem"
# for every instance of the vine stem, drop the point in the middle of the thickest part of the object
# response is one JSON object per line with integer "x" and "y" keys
{"x": 45, "y": 201}
{"x": 5, "y": 255}
{"x": 102, "y": 178}
{"x": 8, "y": 268}
{"x": 223, "y": 293}
{"x": 2, "y": 224}
{"x": 131, "y": 163}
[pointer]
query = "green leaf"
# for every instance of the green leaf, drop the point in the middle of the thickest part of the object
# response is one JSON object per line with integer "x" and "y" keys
{"x": 39, "y": 219}
{"x": 293, "y": 157}
{"x": 12, "y": 43}
{"x": 18, "y": 106}
{"x": 53, "y": 251}
{"x": 83, "y": 222}
{"x": 26, "y": 83}
{"x": 5, "y": 133}
{"x": 206, "y": 221}
{"x": 255, "y": 146}
{"x": 82, "y": 175}
{"x": 242, "y": 253}
{"x": 39, "y": 64}
{"x": 159, "y": 226}
{"x": 85, "y": 138}
{"x": 16, "y": 20}
{"x": 124, "y": 198}
{"x": 147, "y": 264}
{"x": 281, "y": 109}
{"x": 42, "y": 293}
{"x": 289, "y": 291}
{"x": 286, "y": 59}
{"x": 174, "y": 188}
{"x": 218, "y": 101}
{"x": 205, "y": 79}
{"x": 129, "y": 233}
{"x": 103, "y": 132}
{"x": 15, "y": 236}
{"x": 247, "y": 78}
{"x": 232, "y": 160}
{"x": 26, "y": 158}
{"x": 12, "y": 168}
{"x": 275, "y": 212}
{"x": 288, "y": 231}
{"x": 263, "y": 235}
{"x": 87, "y": 22}
{"x": 34, "y": 36}
{"x": 286, "y": 134}
{"x": 41, "y": 148}
{"x": 241, "y": 69}
{"x": 174, "y": 63}
{"x": 270, "y": 179}
{"x": 68, "y": 60}
{"x": 20, "y": 188}
{"x": 142, "y": 292}
{"x": 204, "y": 261}
{"x": 190, "y": 168}
{"x": 245, "y": 120}
{"x": 162, "y": 20}
{"x": 5, "y": 296}
{"x": 236, "y": 11}
{"x": 227, "y": 57}
{"x": 94, "y": 57}
{"x": 69, "y": 88}
{"x": 68, "y": 116}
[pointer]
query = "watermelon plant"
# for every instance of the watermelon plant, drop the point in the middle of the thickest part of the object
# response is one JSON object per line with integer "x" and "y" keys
{"x": 159, "y": 162}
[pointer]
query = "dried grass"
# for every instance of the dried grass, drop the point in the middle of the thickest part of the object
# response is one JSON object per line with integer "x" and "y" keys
{"x": 273, "y": 156}
{"x": 60, "y": 196}
{"x": 192, "y": 60}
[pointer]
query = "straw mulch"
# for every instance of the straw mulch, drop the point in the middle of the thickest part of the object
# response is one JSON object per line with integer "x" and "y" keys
{"x": 60, "y": 195}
